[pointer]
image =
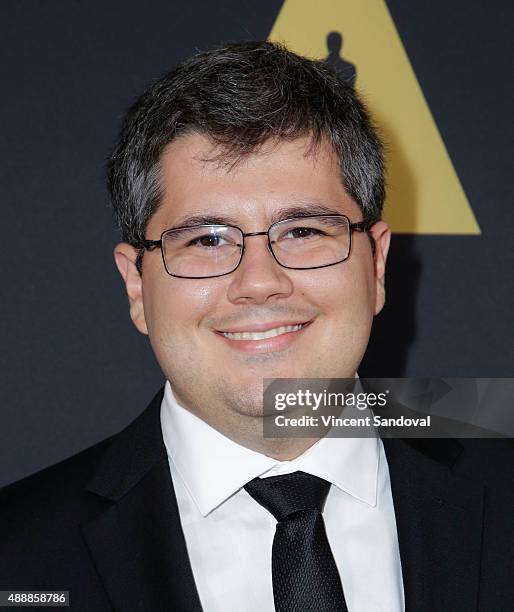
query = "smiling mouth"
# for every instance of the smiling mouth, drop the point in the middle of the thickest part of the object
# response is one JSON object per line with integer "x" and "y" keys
{"x": 264, "y": 335}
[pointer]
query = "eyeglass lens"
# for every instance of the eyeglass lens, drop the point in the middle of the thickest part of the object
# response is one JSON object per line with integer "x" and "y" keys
{"x": 213, "y": 250}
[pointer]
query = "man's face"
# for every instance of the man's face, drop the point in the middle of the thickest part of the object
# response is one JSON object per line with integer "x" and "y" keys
{"x": 220, "y": 378}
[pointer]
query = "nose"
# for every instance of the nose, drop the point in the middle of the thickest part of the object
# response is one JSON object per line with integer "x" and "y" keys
{"x": 259, "y": 277}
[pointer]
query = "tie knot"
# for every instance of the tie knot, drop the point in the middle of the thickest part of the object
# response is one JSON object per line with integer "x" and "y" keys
{"x": 288, "y": 493}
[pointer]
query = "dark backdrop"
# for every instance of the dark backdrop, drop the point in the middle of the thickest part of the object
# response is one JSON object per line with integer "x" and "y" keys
{"x": 74, "y": 370}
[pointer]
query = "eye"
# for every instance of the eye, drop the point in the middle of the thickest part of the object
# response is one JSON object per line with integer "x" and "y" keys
{"x": 303, "y": 233}
{"x": 208, "y": 241}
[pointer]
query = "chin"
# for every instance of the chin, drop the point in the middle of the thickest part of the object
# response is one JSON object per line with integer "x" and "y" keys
{"x": 249, "y": 411}
{"x": 245, "y": 400}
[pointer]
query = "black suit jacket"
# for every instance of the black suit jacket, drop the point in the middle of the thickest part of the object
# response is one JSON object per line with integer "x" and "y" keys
{"x": 104, "y": 525}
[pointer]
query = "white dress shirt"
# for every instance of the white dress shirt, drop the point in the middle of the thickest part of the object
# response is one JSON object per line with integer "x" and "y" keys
{"x": 229, "y": 535}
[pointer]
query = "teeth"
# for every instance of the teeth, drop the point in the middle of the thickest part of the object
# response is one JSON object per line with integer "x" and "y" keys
{"x": 270, "y": 333}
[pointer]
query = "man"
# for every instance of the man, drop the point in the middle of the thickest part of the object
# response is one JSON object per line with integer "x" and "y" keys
{"x": 248, "y": 186}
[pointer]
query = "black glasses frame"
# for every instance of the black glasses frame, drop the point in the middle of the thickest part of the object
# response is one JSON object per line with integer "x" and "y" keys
{"x": 150, "y": 245}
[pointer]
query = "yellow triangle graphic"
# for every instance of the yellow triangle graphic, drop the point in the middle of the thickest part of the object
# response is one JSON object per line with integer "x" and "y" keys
{"x": 424, "y": 192}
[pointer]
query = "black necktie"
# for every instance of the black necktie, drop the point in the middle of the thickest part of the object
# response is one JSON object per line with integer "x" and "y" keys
{"x": 305, "y": 576}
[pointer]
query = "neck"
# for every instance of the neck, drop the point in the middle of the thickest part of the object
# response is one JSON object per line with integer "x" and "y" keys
{"x": 249, "y": 430}
{"x": 255, "y": 433}
{"x": 281, "y": 449}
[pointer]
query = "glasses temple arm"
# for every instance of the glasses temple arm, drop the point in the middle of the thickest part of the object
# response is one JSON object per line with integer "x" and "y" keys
{"x": 149, "y": 245}
{"x": 361, "y": 226}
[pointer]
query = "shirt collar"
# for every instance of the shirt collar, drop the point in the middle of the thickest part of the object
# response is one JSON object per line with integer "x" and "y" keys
{"x": 214, "y": 467}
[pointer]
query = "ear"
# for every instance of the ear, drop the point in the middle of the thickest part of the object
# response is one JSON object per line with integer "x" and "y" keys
{"x": 382, "y": 237}
{"x": 125, "y": 256}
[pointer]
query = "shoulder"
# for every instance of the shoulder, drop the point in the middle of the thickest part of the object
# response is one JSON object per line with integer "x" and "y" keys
{"x": 40, "y": 523}
{"x": 490, "y": 461}
{"x": 486, "y": 462}
{"x": 61, "y": 489}
{"x": 58, "y": 487}
{"x": 43, "y": 516}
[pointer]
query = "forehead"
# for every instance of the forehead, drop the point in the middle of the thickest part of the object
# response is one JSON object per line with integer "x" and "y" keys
{"x": 281, "y": 174}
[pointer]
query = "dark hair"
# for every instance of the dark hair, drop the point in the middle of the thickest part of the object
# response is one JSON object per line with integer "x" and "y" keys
{"x": 241, "y": 95}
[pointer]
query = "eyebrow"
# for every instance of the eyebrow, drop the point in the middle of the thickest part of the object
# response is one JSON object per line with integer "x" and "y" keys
{"x": 306, "y": 210}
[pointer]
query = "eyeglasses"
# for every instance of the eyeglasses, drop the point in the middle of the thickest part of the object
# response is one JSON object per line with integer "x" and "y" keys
{"x": 300, "y": 243}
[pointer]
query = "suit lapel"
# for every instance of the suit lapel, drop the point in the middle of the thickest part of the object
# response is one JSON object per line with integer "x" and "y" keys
{"x": 439, "y": 523}
{"x": 137, "y": 544}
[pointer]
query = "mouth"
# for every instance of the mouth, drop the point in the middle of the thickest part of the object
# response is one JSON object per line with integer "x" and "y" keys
{"x": 264, "y": 337}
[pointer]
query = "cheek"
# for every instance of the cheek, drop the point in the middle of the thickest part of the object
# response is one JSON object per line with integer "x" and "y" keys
{"x": 345, "y": 291}
{"x": 361, "y": 282}
{"x": 176, "y": 307}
